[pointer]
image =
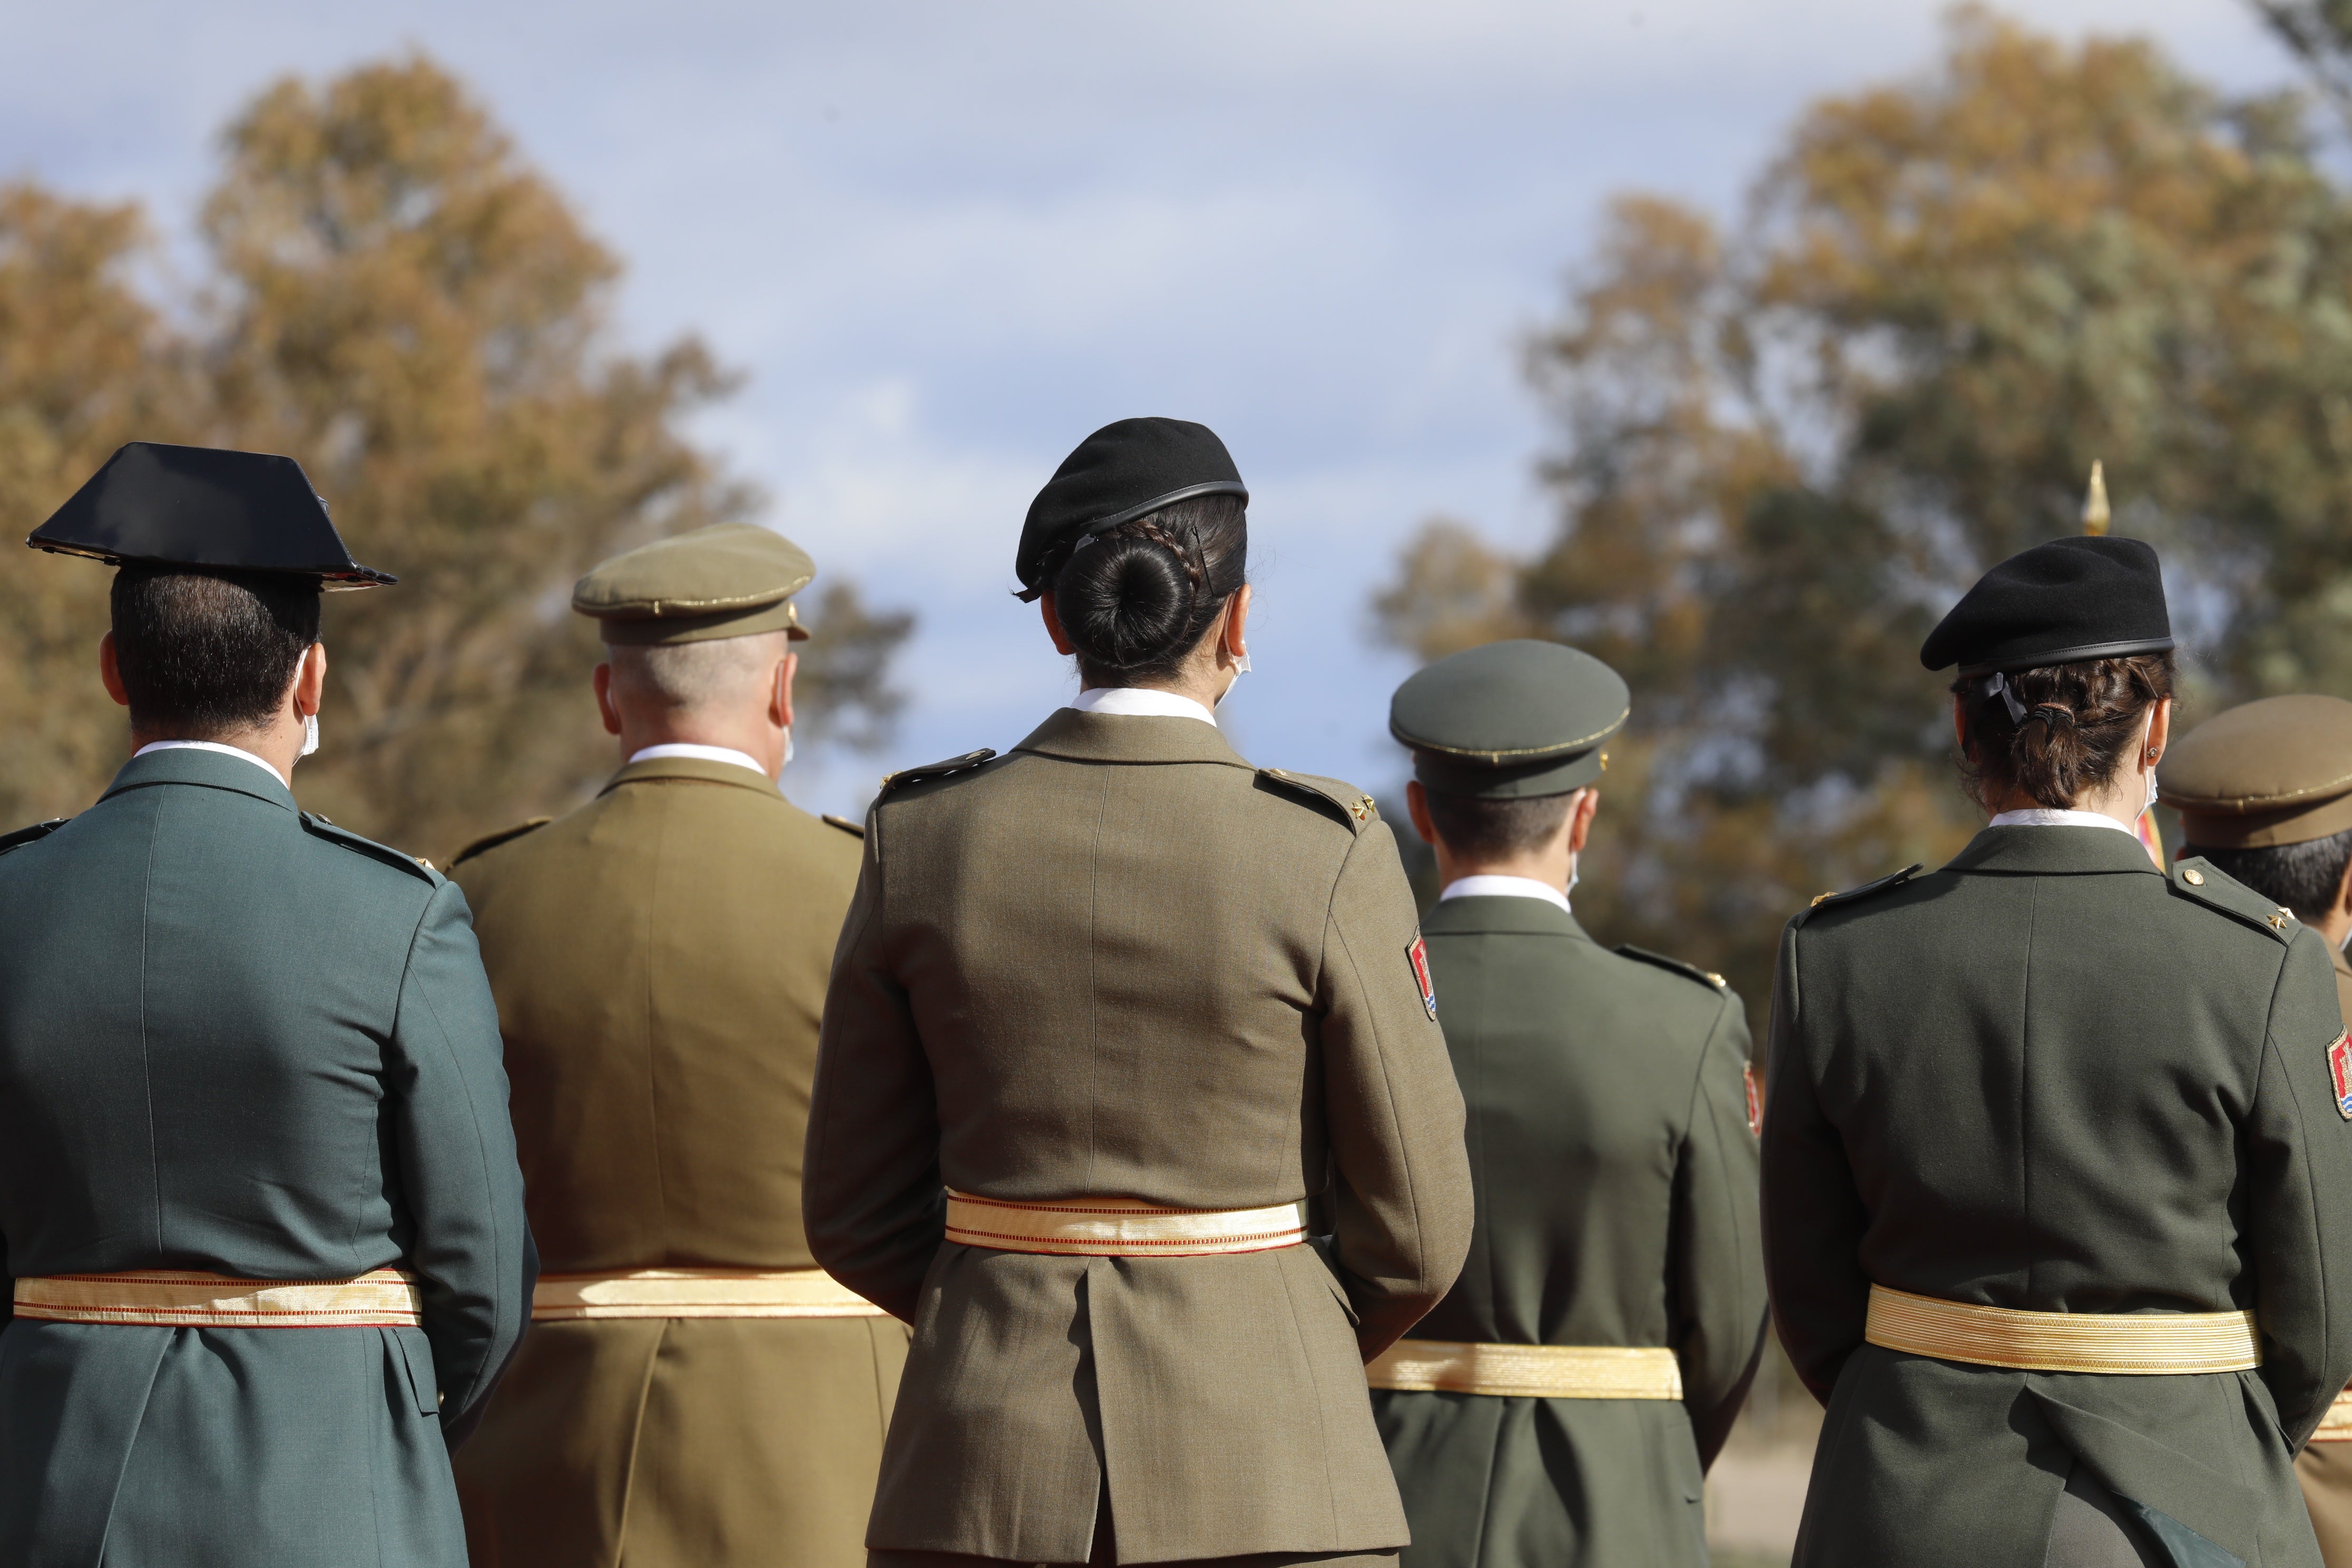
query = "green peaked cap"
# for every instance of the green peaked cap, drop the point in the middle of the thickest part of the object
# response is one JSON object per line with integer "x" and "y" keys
{"x": 1510, "y": 720}
{"x": 730, "y": 580}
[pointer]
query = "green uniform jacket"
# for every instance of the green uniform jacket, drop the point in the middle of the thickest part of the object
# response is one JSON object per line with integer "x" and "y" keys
{"x": 1122, "y": 961}
{"x": 2051, "y": 1078}
{"x": 2325, "y": 1469}
{"x": 1615, "y": 1172}
{"x": 236, "y": 1039}
{"x": 659, "y": 958}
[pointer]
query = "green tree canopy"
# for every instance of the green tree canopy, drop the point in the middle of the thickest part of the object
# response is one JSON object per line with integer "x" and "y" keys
{"x": 396, "y": 298}
{"x": 1784, "y": 448}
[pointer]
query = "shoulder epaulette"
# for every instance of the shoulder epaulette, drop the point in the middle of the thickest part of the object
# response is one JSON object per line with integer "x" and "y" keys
{"x": 1868, "y": 890}
{"x": 954, "y": 765}
{"x": 1354, "y": 808}
{"x": 855, "y": 829}
{"x": 1707, "y": 977}
{"x": 31, "y": 835}
{"x": 2199, "y": 878}
{"x": 415, "y": 864}
{"x": 492, "y": 840}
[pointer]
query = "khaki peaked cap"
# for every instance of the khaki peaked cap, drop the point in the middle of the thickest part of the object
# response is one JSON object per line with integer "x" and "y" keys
{"x": 2268, "y": 772}
{"x": 730, "y": 580}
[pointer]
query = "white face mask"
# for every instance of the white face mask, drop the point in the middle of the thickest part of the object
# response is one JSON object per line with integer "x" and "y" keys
{"x": 788, "y": 746}
{"x": 2145, "y": 736}
{"x": 1241, "y": 668}
{"x": 309, "y": 735}
{"x": 1571, "y": 870}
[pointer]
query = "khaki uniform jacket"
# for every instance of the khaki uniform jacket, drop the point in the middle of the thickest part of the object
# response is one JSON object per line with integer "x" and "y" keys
{"x": 1616, "y": 1176}
{"x": 2325, "y": 1470}
{"x": 2051, "y": 1077}
{"x": 659, "y": 959}
{"x": 1123, "y": 962}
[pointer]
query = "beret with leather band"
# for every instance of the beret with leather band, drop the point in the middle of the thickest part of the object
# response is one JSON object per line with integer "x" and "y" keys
{"x": 204, "y": 509}
{"x": 2265, "y": 774}
{"x": 730, "y": 580}
{"x": 1510, "y": 720}
{"x": 2060, "y": 603}
{"x": 1119, "y": 473}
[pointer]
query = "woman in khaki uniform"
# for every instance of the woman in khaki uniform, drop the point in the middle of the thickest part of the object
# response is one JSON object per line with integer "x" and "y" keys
{"x": 1111, "y": 1017}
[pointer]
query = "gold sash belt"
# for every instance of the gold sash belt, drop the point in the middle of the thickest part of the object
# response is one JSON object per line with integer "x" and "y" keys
{"x": 696, "y": 1293}
{"x": 1529, "y": 1372}
{"x": 2138, "y": 1343}
{"x": 1119, "y": 1228}
{"x": 2336, "y": 1426}
{"x": 178, "y": 1298}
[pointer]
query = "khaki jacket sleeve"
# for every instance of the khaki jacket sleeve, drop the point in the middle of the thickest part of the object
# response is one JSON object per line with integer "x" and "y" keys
{"x": 1401, "y": 1200}
{"x": 2299, "y": 1203}
{"x": 1717, "y": 1259}
{"x": 871, "y": 1196}
{"x": 1813, "y": 1215}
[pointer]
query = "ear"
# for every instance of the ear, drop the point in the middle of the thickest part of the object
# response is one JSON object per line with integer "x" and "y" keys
{"x": 110, "y": 671}
{"x": 1959, "y": 725}
{"x": 1236, "y": 637}
{"x": 1416, "y": 805}
{"x": 780, "y": 700}
{"x": 1062, "y": 643}
{"x": 2160, "y": 734}
{"x": 602, "y": 681}
{"x": 311, "y": 680}
{"x": 1579, "y": 818}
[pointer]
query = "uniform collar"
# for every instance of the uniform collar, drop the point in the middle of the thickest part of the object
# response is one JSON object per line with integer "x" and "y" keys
{"x": 1492, "y": 886}
{"x": 644, "y": 769}
{"x": 220, "y": 748}
{"x": 204, "y": 766}
{"x": 1503, "y": 916}
{"x": 1081, "y": 737}
{"x": 702, "y": 753}
{"x": 2053, "y": 851}
{"x": 1140, "y": 702}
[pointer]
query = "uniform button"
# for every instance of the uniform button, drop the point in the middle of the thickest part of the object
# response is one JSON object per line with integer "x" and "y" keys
{"x": 2193, "y": 877}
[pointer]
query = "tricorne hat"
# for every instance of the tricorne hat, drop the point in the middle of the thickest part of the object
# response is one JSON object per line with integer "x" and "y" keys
{"x": 728, "y": 580}
{"x": 2060, "y": 603}
{"x": 1119, "y": 473}
{"x": 1510, "y": 720}
{"x": 208, "y": 510}
{"x": 2264, "y": 773}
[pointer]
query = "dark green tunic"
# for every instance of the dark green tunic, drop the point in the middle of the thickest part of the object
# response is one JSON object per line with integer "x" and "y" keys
{"x": 1615, "y": 1177}
{"x": 2050, "y": 1077}
{"x": 238, "y": 1040}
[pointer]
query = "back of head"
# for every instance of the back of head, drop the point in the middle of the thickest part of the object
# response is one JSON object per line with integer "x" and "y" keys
{"x": 714, "y": 676}
{"x": 2264, "y": 792}
{"x": 2055, "y": 733}
{"x": 1135, "y": 599}
{"x": 209, "y": 652}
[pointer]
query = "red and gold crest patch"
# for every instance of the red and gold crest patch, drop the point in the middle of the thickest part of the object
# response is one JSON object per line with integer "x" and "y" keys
{"x": 1418, "y": 956}
{"x": 2340, "y": 1067}
{"x": 1755, "y": 1102}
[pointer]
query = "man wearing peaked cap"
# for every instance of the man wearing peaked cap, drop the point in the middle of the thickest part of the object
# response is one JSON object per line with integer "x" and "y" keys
{"x": 2264, "y": 792}
{"x": 693, "y": 1391}
{"x": 1606, "y": 1328}
{"x": 258, "y": 1187}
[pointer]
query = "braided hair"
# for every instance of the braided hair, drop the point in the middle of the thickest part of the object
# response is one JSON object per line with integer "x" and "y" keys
{"x": 2057, "y": 731}
{"x": 1136, "y": 600}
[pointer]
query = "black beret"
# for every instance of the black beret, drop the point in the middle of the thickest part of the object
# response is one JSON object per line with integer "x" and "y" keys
{"x": 1116, "y": 475}
{"x": 2071, "y": 599}
{"x": 204, "y": 508}
{"x": 1510, "y": 720}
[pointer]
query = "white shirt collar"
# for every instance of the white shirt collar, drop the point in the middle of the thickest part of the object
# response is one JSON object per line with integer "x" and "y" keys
{"x": 699, "y": 753}
{"x": 213, "y": 746}
{"x": 2049, "y": 816}
{"x": 1486, "y": 887}
{"x": 1140, "y": 701}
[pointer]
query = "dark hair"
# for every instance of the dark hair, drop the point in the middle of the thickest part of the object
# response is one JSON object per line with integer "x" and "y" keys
{"x": 2078, "y": 720}
{"x": 208, "y": 651}
{"x": 2304, "y": 878}
{"x": 1135, "y": 599}
{"x": 1489, "y": 829}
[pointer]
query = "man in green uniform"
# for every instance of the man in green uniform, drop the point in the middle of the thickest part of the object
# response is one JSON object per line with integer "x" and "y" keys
{"x": 2264, "y": 792}
{"x": 259, "y": 1199}
{"x": 694, "y": 1391}
{"x": 1563, "y": 1402}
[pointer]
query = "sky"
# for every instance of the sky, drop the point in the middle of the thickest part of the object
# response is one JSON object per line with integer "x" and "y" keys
{"x": 943, "y": 241}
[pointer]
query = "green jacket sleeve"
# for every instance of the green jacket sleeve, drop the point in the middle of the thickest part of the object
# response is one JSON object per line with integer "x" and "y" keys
{"x": 871, "y": 1196}
{"x": 1813, "y": 1217}
{"x": 454, "y": 1146}
{"x": 1716, "y": 1261}
{"x": 2298, "y": 1154}
{"x": 1402, "y": 1203}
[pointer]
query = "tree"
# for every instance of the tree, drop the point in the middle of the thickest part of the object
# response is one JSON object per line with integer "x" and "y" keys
{"x": 399, "y": 301}
{"x": 1784, "y": 452}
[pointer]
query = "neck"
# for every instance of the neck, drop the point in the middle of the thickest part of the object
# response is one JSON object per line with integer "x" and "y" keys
{"x": 762, "y": 742}
{"x": 1550, "y": 870}
{"x": 279, "y": 744}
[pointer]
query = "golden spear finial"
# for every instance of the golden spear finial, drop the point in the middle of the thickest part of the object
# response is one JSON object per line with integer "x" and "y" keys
{"x": 2094, "y": 501}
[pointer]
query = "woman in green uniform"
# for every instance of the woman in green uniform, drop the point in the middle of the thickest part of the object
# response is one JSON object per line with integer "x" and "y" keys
{"x": 2055, "y": 1158}
{"x": 1109, "y": 1014}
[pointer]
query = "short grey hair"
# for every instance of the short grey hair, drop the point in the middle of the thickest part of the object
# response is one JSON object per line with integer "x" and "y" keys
{"x": 690, "y": 677}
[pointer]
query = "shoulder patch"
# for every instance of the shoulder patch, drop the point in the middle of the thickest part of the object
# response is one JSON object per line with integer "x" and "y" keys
{"x": 1356, "y": 808}
{"x": 1707, "y": 977}
{"x": 953, "y": 766}
{"x": 492, "y": 840}
{"x": 415, "y": 864}
{"x": 855, "y": 829}
{"x": 1853, "y": 895}
{"x": 31, "y": 835}
{"x": 2199, "y": 878}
